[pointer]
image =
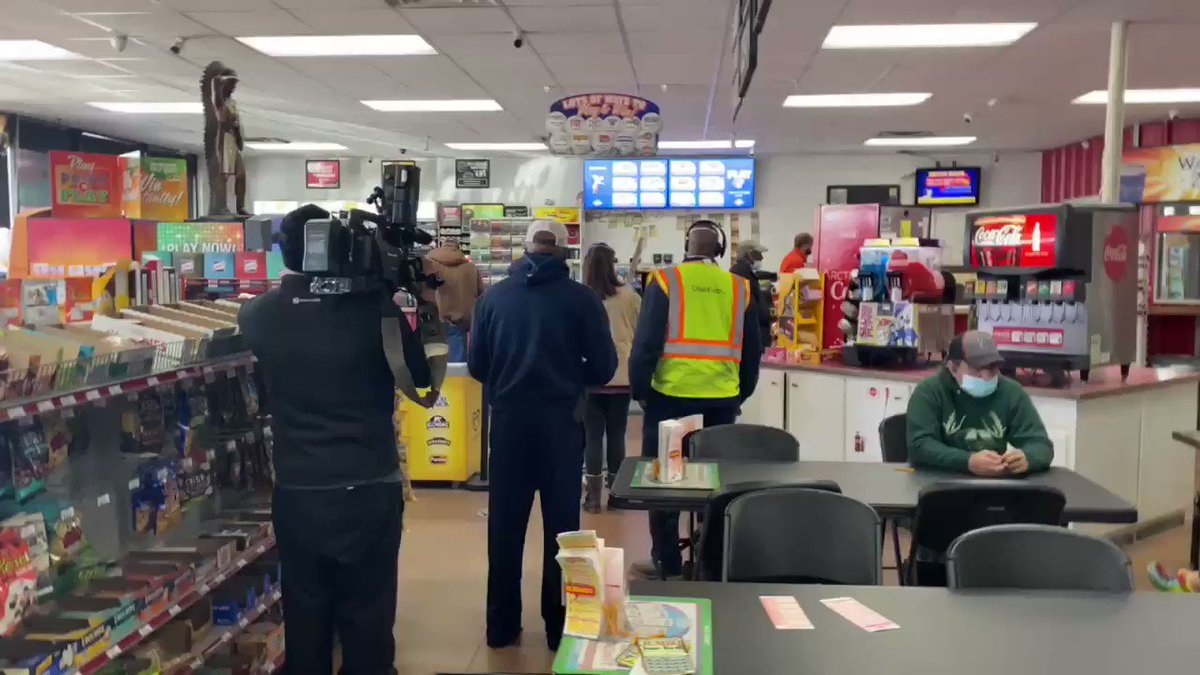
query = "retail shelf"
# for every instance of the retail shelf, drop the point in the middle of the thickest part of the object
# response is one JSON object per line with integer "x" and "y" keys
{"x": 133, "y": 639}
{"x": 226, "y": 634}
{"x": 57, "y": 400}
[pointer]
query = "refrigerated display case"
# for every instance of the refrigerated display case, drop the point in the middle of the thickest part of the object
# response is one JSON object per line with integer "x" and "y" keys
{"x": 1177, "y": 256}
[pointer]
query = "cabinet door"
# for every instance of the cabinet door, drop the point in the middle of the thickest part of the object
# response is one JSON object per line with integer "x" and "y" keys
{"x": 1059, "y": 416}
{"x": 766, "y": 405}
{"x": 868, "y": 403}
{"x": 816, "y": 408}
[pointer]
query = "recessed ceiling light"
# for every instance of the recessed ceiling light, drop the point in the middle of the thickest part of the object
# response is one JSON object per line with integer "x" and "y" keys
{"x": 920, "y": 141}
{"x": 305, "y": 146}
{"x": 152, "y": 108}
{"x": 926, "y": 35}
{"x": 855, "y": 100}
{"x": 1181, "y": 95}
{"x": 339, "y": 45}
{"x": 444, "y": 105}
{"x": 704, "y": 145}
{"x": 33, "y": 50}
{"x": 496, "y": 146}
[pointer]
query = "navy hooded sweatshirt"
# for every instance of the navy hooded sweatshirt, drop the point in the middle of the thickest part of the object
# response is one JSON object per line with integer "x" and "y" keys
{"x": 539, "y": 338}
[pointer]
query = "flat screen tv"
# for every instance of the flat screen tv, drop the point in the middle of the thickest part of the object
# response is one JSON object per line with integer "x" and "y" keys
{"x": 956, "y": 186}
{"x": 724, "y": 183}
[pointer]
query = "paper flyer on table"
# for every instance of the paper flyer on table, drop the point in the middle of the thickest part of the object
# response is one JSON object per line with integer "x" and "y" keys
{"x": 696, "y": 476}
{"x": 649, "y": 617}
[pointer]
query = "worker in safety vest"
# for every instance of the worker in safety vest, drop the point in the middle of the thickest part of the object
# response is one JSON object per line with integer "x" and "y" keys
{"x": 696, "y": 350}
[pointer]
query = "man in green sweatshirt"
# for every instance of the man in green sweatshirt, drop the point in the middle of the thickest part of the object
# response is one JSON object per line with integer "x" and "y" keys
{"x": 968, "y": 417}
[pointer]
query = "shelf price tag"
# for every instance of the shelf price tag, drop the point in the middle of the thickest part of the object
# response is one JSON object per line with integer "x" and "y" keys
{"x": 114, "y": 390}
{"x": 104, "y": 499}
{"x": 113, "y": 652}
{"x": 174, "y": 610}
{"x": 45, "y": 406}
{"x": 15, "y": 412}
{"x": 152, "y": 381}
{"x": 92, "y": 394}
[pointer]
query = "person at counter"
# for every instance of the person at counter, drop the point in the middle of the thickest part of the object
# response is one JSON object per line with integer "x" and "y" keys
{"x": 749, "y": 261}
{"x": 798, "y": 256}
{"x": 969, "y": 417}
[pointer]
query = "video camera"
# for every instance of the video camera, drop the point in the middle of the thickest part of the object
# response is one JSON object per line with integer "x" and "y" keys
{"x": 361, "y": 251}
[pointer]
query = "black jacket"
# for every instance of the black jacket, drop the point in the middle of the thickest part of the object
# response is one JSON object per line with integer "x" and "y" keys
{"x": 650, "y": 338}
{"x": 761, "y": 299}
{"x": 538, "y": 338}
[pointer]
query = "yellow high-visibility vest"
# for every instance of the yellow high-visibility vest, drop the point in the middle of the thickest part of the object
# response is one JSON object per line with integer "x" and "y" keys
{"x": 703, "y": 350}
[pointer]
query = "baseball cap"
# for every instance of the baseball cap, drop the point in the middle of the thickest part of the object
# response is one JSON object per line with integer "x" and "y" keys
{"x": 975, "y": 347}
{"x": 555, "y": 228}
{"x": 748, "y": 246}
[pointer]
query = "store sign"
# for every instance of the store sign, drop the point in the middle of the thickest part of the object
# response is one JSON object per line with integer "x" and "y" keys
{"x": 200, "y": 237}
{"x": 85, "y": 185}
{"x": 1022, "y": 240}
{"x": 604, "y": 125}
{"x": 472, "y": 173}
{"x": 155, "y": 188}
{"x": 1177, "y": 224}
{"x": 511, "y": 211}
{"x": 1166, "y": 174}
{"x": 322, "y": 174}
{"x": 559, "y": 214}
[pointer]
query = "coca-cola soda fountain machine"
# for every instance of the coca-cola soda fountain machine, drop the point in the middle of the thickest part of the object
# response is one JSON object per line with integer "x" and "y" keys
{"x": 1057, "y": 285}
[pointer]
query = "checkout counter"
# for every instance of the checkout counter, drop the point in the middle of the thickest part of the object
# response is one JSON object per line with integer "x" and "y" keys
{"x": 1113, "y": 431}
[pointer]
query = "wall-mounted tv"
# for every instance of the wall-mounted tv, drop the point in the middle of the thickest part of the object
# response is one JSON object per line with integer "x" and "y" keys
{"x": 668, "y": 183}
{"x": 956, "y": 186}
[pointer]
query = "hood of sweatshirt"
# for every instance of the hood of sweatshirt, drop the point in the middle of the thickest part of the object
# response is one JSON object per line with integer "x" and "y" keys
{"x": 450, "y": 256}
{"x": 536, "y": 269}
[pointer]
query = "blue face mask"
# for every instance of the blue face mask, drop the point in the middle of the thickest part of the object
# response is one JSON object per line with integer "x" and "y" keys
{"x": 979, "y": 387}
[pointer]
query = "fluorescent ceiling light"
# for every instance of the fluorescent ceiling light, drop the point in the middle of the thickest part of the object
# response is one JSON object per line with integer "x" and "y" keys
{"x": 339, "y": 45}
{"x": 144, "y": 108}
{"x": 919, "y": 141}
{"x": 704, "y": 145}
{"x": 496, "y": 146}
{"x": 299, "y": 145}
{"x": 1181, "y": 95}
{"x": 33, "y": 50}
{"x": 926, "y": 35}
{"x": 855, "y": 100}
{"x": 443, "y": 105}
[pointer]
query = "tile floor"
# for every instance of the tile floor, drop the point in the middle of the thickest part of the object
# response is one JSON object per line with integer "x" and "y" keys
{"x": 443, "y": 572}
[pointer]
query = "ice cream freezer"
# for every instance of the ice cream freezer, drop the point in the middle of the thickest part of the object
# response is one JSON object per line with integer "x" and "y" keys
{"x": 1176, "y": 261}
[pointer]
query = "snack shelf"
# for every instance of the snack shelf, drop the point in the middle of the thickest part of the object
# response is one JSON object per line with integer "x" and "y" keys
{"x": 222, "y": 637}
{"x": 133, "y": 639}
{"x": 58, "y": 400}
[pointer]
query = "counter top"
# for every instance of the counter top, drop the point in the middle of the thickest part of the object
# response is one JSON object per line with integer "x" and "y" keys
{"x": 1191, "y": 438}
{"x": 1105, "y": 381}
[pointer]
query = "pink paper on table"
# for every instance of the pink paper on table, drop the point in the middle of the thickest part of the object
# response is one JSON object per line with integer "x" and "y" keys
{"x": 860, "y": 615}
{"x": 785, "y": 612}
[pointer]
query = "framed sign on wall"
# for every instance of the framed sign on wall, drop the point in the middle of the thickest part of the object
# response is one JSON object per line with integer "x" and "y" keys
{"x": 323, "y": 174}
{"x": 472, "y": 173}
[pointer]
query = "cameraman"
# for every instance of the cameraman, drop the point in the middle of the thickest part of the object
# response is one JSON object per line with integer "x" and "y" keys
{"x": 338, "y": 500}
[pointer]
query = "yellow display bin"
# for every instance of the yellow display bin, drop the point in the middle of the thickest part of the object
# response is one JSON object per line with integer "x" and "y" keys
{"x": 444, "y": 442}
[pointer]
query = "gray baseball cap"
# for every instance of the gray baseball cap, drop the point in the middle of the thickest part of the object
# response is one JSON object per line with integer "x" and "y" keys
{"x": 748, "y": 246}
{"x": 977, "y": 348}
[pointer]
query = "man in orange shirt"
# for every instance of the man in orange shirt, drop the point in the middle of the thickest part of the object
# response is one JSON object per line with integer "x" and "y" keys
{"x": 798, "y": 256}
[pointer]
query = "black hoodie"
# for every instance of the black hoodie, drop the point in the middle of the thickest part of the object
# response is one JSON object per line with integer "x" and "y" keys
{"x": 538, "y": 338}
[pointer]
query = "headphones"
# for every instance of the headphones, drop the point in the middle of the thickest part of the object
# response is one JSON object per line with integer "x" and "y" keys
{"x": 705, "y": 225}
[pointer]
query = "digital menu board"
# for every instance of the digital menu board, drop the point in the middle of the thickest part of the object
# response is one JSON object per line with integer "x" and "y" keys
{"x": 675, "y": 183}
{"x": 947, "y": 187}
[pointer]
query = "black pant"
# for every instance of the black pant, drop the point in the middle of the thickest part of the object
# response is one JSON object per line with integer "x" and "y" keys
{"x": 536, "y": 449}
{"x": 338, "y": 549}
{"x": 664, "y": 525}
{"x": 605, "y": 416}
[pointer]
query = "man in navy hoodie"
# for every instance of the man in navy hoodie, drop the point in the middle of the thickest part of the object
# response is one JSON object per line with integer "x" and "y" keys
{"x": 538, "y": 339}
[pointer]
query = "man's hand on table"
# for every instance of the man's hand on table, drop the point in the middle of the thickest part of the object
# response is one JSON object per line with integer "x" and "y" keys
{"x": 1015, "y": 462}
{"x": 987, "y": 463}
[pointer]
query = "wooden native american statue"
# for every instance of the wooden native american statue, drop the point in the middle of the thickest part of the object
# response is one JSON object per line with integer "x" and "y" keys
{"x": 222, "y": 139}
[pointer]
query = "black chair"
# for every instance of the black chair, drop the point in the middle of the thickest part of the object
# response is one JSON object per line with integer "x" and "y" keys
{"x": 710, "y": 544}
{"x": 949, "y": 509}
{"x": 1037, "y": 557}
{"x": 800, "y": 535}
{"x": 743, "y": 441}
{"x": 893, "y": 442}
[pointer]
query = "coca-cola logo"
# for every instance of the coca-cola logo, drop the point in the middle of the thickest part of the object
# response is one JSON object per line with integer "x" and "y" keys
{"x": 1116, "y": 253}
{"x": 1008, "y": 234}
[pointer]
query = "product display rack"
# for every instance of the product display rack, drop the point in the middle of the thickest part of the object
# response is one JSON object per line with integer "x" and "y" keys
{"x": 495, "y": 243}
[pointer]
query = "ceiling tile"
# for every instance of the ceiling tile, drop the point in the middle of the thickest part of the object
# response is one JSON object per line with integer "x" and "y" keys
{"x": 458, "y": 20}
{"x": 565, "y": 18}
{"x": 580, "y": 46}
{"x": 355, "y": 21}
{"x": 269, "y": 22}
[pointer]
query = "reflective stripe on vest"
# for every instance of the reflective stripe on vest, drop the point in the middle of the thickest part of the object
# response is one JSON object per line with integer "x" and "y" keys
{"x": 706, "y": 308}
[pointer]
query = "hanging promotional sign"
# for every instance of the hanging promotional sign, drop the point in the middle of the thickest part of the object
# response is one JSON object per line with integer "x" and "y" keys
{"x": 84, "y": 185}
{"x": 561, "y": 214}
{"x": 604, "y": 125}
{"x": 1166, "y": 174}
{"x": 155, "y": 188}
{"x": 322, "y": 174}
